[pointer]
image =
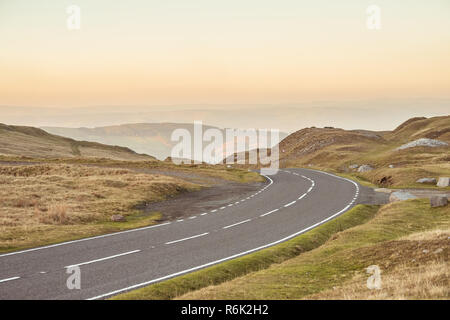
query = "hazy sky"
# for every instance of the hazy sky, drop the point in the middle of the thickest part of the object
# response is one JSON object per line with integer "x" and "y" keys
{"x": 230, "y": 51}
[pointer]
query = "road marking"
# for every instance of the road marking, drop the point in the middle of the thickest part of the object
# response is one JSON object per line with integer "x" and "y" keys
{"x": 184, "y": 239}
{"x": 230, "y": 205}
{"x": 267, "y": 213}
{"x": 310, "y": 188}
{"x": 214, "y": 210}
{"x": 193, "y": 217}
{"x": 290, "y": 204}
{"x": 180, "y": 220}
{"x": 235, "y": 224}
{"x": 204, "y": 214}
{"x": 302, "y": 196}
{"x": 9, "y": 279}
{"x": 84, "y": 239}
{"x": 237, "y": 202}
{"x": 142, "y": 284}
{"x": 102, "y": 259}
{"x": 221, "y": 208}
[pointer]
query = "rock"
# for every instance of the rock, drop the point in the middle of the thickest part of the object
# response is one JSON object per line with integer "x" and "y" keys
{"x": 401, "y": 196}
{"x": 365, "y": 168}
{"x": 425, "y": 250}
{"x": 443, "y": 182}
{"x": 438, "y": 201}
{"x": 117, "y": 218}
{"x": 424, "y": 142}
{"x": 391, "y": 166}
{"x": 438, "y": 250}
{"x": 384, "y": 190}
{"x": 427, "y": 180}
{"x": 353, "y": 166}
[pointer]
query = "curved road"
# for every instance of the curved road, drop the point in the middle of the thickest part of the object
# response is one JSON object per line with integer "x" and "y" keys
{"x": 291, "y": 202}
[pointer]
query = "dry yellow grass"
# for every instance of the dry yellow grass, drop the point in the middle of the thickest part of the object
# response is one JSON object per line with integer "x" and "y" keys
{"x": 424, "y": 274}
{"x": 408, "y": 240}
{"x": 53, "y": 202}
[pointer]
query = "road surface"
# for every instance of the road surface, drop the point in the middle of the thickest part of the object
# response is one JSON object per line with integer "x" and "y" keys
{"x": 291, "y": 202}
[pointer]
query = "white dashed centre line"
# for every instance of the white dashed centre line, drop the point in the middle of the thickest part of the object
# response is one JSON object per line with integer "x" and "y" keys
{"x": 302, "y": 196}
{"x": 235, "y": 224}
{"x": 102, "y": 259}
{"x": 9, "y": 279}
{"x": 290, "y": 204}
{"x": 267, "y": 213}
{"x": 188, "y": 238}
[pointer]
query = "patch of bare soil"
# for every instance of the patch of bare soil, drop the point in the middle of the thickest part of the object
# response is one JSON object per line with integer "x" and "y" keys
{"x": 195, "y": 202}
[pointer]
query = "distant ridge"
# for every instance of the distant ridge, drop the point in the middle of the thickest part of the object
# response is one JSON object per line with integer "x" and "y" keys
{"x": 35, "y": 142}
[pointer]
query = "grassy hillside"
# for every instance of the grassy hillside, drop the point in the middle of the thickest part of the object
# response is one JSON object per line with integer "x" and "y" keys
{"x": 337, "y": 149}
{"x": 34, "y": 142}
{"x": 48, "y": 203}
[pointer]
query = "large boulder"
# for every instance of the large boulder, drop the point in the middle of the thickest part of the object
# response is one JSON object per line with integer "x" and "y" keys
{"x": 443, "y": 182}
{"x": 365, "y": 168}
{"x": 423, "y": 142}
{"x": 117, "y": 218}
{"x": 401, "y": 196}
{"x": 438, "y": 201}
{"x": 353, "y": 166}
{"x": 427, "y": 180}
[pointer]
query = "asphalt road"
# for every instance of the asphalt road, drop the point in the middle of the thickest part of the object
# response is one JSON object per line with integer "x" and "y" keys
{"x": 291, "y": 202}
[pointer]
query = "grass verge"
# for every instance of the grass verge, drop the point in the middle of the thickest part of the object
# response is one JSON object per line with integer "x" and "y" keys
{"x": 253, "y": 262}
{"x": 386, "y": 241}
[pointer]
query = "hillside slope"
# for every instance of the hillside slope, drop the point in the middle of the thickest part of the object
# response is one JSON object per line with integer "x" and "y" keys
{"x": 344, "y": 151}
{"x": 34, "y": 142}
{"x": 149, "y": 138}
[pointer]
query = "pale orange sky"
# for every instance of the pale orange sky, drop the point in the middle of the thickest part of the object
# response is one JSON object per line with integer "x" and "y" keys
{"x": 174, "y": 52}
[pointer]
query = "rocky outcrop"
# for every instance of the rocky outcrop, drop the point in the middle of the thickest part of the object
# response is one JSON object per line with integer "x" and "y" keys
{"x": 427, "y": 180}
{"x": 438, "y": 201}
{"x": 117, "y": 218}
{"x": 401, "y": 196}
{"x": 443, "y": 182}
{"x": 423, "y": 142}
{"x": 365, "y": 168}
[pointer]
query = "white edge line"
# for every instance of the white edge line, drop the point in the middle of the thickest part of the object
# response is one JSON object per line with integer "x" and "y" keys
{"x": 213, "y": 262}
{"x": 235, "y": 224}
{"x": 84, "y": 239}
{"x": 102, "y": 259}
{"x": 227, "y": 258}
{"x": 9, "y": 279}
{"x": 196, "y": 236}
{"x": 100, "y": 236}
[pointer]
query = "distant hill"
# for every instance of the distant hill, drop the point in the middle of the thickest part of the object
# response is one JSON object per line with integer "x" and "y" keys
{"x": 149, "y": 138}
{"x": 346, "y": 150}
{"x": 337, "y": 148}
{"x": 35, "y": 142}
